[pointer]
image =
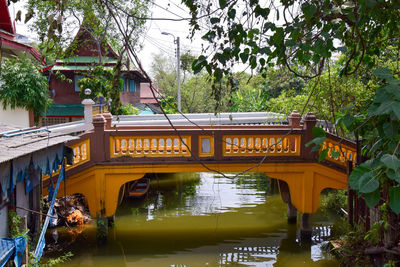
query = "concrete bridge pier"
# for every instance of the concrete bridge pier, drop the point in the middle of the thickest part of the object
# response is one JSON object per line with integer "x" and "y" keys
{"x": 305, "y": 223}
{"x": 305, "y": 227}
{"x": 285, "y": 195}
{"x": 102, "y": 230}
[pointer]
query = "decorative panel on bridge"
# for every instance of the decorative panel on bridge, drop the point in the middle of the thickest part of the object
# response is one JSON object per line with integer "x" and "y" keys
{"x": 345, "y": 152}
{"x": 81, "y": 153}
{"x": 206, "y": 145}
{"x": 150, "y": 146}
{"x": 254, "y": 145}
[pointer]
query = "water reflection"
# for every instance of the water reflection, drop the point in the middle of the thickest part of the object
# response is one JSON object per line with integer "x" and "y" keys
{"x": 204, "y": 219}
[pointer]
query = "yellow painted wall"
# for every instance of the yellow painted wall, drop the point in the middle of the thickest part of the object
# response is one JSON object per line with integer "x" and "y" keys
{"x": 101, "y": 184}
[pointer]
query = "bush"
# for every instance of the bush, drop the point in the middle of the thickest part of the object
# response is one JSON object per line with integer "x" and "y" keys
{"x": 22, "y": 85}
{"x": 334, "y": 201}
{"x": 128, "y": 109}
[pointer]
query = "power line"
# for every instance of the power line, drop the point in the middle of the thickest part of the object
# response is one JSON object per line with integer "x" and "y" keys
{"x": 169, "y": 11}
{"x": 158, "y": 46}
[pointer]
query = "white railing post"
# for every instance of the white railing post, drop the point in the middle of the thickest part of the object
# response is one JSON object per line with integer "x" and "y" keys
{"x": 88, "y": 113}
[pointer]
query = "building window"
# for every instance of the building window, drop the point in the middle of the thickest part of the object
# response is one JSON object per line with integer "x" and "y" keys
{"x": 129, "y": 85}
{"x": 132, "y": 86}
{"x": 76, "y": 79}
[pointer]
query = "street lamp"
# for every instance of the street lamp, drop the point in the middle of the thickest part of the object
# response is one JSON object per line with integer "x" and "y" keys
{"x": 178, "y": 66}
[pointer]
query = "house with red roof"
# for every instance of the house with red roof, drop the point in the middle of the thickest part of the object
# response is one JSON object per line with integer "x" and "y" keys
{"x": 10, "y": 46}
{"x": 84, "y": 56}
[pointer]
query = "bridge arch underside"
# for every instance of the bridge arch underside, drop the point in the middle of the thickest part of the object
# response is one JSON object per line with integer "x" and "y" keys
{"x": 101, "y": 183}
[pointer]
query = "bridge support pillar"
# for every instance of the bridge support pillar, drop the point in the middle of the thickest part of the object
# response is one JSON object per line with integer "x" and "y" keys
{"x": 102, "y": 230}
{"x": 285, "y": 195}
{"x": 305, "y": 227}
{"x": 292, "y": 213}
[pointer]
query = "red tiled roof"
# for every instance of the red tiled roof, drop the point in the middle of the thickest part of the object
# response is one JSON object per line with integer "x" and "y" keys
{"x": 5, "y": 18}
{"x": 146, "y": 96}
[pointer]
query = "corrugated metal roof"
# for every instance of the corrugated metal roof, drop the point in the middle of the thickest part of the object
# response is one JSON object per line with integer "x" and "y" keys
{"x": 77, "y": 67}
{"x": 28, "y": 142}
{"x": 81, "y": 59}
{"x": 65, "y": 110}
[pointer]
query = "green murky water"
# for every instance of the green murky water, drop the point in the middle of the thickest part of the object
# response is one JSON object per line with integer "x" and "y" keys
{"x": 202, "y": 219}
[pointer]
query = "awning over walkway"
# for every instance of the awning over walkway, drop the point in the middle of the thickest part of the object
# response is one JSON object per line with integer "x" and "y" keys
{"x": 65, "y": 110}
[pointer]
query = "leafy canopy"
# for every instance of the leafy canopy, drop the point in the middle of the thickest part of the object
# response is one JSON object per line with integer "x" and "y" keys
{"x": 24, "y": 86}
{"x": 306, "y": 33}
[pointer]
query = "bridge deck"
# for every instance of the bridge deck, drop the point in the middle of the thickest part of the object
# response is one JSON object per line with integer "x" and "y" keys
{"x": 114, "y": 153}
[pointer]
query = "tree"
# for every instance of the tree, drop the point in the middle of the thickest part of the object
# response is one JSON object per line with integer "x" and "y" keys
{"x": 105, "y": 21}
{"x": 24, "y": 86}
{"x": 327, "y": 96}
{"x": 305, "y": 33}
{"x": 195, "y": 89}
{"x": 56, "y": 23}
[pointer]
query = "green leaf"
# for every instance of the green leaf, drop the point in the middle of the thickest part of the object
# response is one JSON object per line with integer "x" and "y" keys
{"x": 355, "y": 176}
{"x": 198, "y": 64}
{"x": 394, "y": 199}
{"x": 384, "y": 108}
{"x": 394, "y": 175}
{"x": 259, "y": 11}
{"x": 396, "y": 109}
{"x": 316, "y": 141}
{"x": 323, "y": 155}
{"x": 231, "y": 13}
{"x": 318, "y": 132}
{"x": 335, "y": 154}
{"x": 308, "y": 10}
{"x": 348, "y": 120}
{"x": 372, "y": 199}
{"x": 376, "y": 146}
{"x": 316, "y": 148}
{"x": 244, "y": 56}
{"x": 222, "y": 3}
{"x": 391, "y": 161}
{"x": 214, "y": 20}
{"x": 370, "y": 3}
{"x": 368, "y": 183}
{"x": 383, "y": 73}
{"x": 391, "y": 129}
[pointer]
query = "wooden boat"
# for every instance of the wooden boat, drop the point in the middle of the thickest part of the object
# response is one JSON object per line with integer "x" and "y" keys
{"x": 138, "y": 188}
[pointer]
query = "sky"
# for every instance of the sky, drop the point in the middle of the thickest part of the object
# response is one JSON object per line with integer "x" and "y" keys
{"x": 153, "y": 41}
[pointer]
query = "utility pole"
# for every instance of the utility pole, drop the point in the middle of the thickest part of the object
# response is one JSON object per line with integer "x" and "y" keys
{"x": 179, "y": 72}
{"x": 178, "y": 66}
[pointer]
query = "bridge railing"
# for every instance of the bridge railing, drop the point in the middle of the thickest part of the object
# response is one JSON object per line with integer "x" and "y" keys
{"x": 204, "y": 119}
{"x": 150, "y": 143}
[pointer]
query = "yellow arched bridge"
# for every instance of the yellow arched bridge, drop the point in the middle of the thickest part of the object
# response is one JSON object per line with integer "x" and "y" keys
{"x": 108, "y": 156}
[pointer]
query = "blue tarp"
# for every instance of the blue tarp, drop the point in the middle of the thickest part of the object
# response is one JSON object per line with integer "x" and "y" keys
{"x": 42, "y": 242}
{"x": 12, "y": 246}
{"x": 5, "y": 178}
{"x": 46, "y": 160}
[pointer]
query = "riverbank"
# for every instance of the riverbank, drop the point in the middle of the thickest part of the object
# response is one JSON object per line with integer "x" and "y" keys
{"x": 69, "y": 211}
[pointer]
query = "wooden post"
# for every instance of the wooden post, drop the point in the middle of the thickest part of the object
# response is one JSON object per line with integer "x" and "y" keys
{"x": 294, "y": 119}
{"x": 367, "y": 218}
{"x": 218, "y": 145}
{"x": 356, "y": 208}
{"x": 350, "y": 196}
{"x": 23, "y": 227}
{"x": 97, "y": 147}
{"x": 309, "y": 122}
{"x": 306, "y": 227}
{"x": 108, "y": 117}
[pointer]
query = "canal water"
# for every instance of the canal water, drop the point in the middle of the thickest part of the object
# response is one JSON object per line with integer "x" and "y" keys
{"x": 202, "y": 219}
